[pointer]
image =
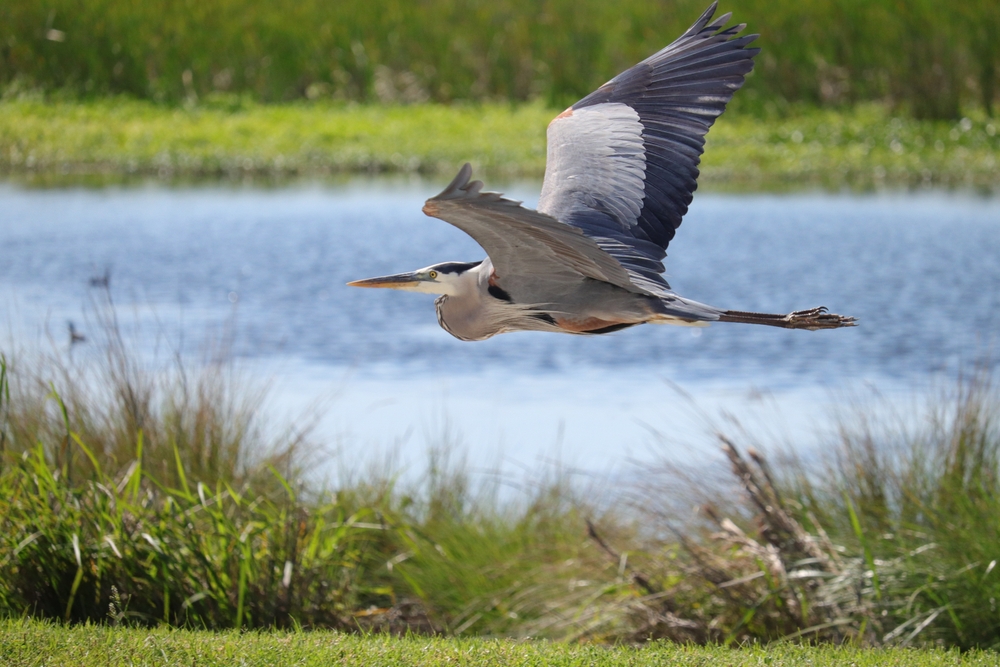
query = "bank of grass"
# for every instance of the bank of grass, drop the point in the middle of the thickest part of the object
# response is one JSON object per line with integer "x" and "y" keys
{"x": 127, "y": 136}
{"x": 866, "y": 146}
{"x": 160, "y": 490}
{"x": 137, "y": 495}
{"x": 26, "y": 643}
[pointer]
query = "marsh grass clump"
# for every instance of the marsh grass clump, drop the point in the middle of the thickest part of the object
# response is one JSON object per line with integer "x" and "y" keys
{"x": 198, "y": 555}
{"x": 137, "y": 494}
{"x": 159, "y": 496}
{"x": 131, "y": 494}
{"x": 203, "y": 423}
{"x": 517, "y": 564}
{"x": 922, "y": 506}
{"x": 889, "y": 537}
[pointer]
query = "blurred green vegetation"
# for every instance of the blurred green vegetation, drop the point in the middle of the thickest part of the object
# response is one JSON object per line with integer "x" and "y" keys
{"x": 931, "y": 58}
{"x": 234, "y": 136}
{"x": 228, "y": 136}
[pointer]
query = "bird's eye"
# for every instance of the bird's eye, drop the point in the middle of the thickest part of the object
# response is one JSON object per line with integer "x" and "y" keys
{"x": 433, "y": 275}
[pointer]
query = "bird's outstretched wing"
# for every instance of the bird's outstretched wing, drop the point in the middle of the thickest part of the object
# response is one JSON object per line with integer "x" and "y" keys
{"x": 525, "y": 246}
{"x": 623, "y": 161}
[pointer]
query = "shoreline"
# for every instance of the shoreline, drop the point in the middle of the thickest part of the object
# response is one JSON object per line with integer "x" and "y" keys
{"x": 114, "y": 140}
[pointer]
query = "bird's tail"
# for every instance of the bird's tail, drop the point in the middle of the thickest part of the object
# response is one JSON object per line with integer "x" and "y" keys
{"x": 813, "y": 319}
{"x": 677, "y": 310}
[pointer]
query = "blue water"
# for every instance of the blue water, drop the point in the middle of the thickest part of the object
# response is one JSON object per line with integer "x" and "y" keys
{"x": 921, "y": 271}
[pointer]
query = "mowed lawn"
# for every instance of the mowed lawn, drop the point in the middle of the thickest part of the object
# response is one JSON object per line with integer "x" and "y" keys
{"x": 26, "y": 643}
{"x": 867, "y": 145}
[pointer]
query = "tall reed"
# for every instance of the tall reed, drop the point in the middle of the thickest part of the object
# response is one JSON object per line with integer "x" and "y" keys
{"x": 889, "y": 537}
{"x": 138, "y": 492}
{"x": 159, "y": 492}
{"x": 140, "y": 496}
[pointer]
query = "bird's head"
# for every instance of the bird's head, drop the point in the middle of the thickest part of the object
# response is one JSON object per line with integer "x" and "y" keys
{"x": 450, "y": 278}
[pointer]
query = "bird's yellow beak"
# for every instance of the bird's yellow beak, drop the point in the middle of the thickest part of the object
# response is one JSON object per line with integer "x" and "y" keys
{"x": 399, "y": 281}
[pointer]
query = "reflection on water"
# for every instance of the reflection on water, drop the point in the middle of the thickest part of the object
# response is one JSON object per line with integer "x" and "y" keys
{"x": 919, "y": 270}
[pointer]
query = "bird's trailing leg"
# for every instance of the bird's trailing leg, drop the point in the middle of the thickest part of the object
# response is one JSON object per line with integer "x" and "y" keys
{"x": 813, "y": 319}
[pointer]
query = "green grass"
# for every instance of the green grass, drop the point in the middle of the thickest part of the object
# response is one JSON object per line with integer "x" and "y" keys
{"x": 163, "y": 499}
{"x": 30, "y": 644}
{"x": 932, "y": 57}
{"x": 865, "y": 146}
{"x": 154, "y": 488}
{"x": 121, "y": 135}
{"x": 137, "y": 495}
{"x": 888, "y": 536}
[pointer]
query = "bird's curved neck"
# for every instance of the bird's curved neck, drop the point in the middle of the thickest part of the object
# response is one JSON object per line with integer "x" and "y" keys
{"x": 462, "y": 311}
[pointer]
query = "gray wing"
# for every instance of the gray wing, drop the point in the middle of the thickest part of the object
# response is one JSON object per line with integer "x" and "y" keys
{"x": 623, "y": 161}
{"x": 525, "y": 246}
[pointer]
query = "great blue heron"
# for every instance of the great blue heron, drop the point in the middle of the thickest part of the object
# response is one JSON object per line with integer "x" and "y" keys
{"x": 621, "y": 170}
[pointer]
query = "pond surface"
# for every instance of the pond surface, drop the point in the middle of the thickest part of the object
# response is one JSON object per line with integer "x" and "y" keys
{"x": 920, "y": 270}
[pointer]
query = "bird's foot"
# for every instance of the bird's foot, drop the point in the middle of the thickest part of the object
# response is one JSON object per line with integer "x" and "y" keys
{"x": 817, "y": 318}
{"x": 812, "y": 319}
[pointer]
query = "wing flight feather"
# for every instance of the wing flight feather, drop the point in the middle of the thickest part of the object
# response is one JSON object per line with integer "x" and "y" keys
{"x": 525, "y": 246}
{"x": 623, "y": 161}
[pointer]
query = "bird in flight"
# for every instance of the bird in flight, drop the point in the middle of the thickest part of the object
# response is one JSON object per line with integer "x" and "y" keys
{"x": 621, "y": 170}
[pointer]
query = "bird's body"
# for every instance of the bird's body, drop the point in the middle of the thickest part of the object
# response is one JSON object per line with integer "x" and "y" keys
{"x": 621, "y": 170}
{"x": 476, "y": 309}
